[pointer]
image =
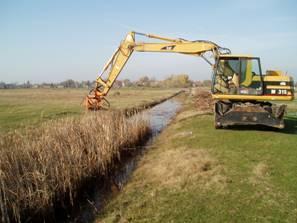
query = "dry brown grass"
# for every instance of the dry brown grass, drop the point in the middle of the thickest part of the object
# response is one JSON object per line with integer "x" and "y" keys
{"x": 260, "y": 174}
{"x": 40, "y": 167}
{"x": 179, "y": 168}
{"x": 260, "y": 170}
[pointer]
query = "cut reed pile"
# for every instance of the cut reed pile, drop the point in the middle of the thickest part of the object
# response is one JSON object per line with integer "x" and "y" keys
{"x": 41, "y": 167}
{"x": 203, "y": 100}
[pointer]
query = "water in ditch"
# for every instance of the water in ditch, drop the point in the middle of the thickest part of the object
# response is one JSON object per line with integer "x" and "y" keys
{"x": 158, "y": 117}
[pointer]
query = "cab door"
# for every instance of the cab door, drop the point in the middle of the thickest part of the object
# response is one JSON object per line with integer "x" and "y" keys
{"x": 250, "y": 77}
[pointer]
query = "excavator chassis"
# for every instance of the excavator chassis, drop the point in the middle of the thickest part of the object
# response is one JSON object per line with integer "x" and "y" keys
{"x": 230, "y": 113}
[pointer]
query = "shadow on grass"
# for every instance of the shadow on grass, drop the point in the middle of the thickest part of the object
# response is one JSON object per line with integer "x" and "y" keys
{"x": 290, "y": 127}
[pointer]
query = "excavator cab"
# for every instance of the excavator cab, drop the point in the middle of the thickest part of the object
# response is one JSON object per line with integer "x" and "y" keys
{"x": 238, "y": 75}
{"x": 243, "y": 93}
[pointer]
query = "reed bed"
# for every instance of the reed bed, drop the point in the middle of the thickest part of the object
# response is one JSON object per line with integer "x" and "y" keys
{"x": 41, "y": 167}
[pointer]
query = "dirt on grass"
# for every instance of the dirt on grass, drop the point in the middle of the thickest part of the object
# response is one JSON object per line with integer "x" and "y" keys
{"x": 203, "y": 100}
{"x": 203, "y": 104}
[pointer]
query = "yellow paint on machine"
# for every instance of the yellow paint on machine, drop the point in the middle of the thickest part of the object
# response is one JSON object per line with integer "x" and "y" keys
{"x": 278, "y": 87}
{"x": 253, "y": 97}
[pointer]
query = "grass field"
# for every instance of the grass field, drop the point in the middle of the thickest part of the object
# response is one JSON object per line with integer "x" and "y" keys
{"x": 194, "y": 173}
{"x": 23, "y": 107}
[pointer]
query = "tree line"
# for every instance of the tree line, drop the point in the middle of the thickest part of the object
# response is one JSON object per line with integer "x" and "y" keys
{"x": 64, "y": 84}
{"x": 173, "y": 81}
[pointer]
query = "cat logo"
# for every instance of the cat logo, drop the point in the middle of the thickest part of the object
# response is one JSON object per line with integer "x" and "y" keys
{"x": 168, "y": 47}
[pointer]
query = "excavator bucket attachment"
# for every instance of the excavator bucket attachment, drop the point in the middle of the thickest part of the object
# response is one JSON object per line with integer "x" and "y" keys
{"x": 94, "y": 102}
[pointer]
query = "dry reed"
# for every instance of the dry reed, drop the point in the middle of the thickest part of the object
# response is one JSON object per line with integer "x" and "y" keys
{"x": 42, "y": 166}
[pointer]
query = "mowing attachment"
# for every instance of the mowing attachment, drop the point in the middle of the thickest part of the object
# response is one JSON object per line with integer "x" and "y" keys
{"x": 96, "y": 101}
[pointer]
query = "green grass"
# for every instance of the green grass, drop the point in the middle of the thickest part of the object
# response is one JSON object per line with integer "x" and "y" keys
{"x": 23, "y": 107}
{"x": 291, "y": 107}
{"x": 194, "y": 173}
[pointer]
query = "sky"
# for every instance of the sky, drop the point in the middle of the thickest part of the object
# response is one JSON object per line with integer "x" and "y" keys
{"x": 51, "y": 41}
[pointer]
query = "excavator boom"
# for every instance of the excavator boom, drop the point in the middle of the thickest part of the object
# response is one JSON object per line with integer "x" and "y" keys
{"x": 96, "y": 99}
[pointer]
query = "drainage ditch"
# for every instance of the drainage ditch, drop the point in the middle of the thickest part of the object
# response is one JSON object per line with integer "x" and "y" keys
{"x": 93, "y": 200}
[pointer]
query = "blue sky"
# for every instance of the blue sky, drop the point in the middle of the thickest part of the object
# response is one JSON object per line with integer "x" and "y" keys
{"x": 50, "y": 41}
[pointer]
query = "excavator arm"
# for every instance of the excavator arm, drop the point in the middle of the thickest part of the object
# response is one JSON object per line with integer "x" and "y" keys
{"x": 96, "y": 99}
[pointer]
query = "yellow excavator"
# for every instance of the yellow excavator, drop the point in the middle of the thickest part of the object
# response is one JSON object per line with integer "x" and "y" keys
{"x": 242, "y": 93}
